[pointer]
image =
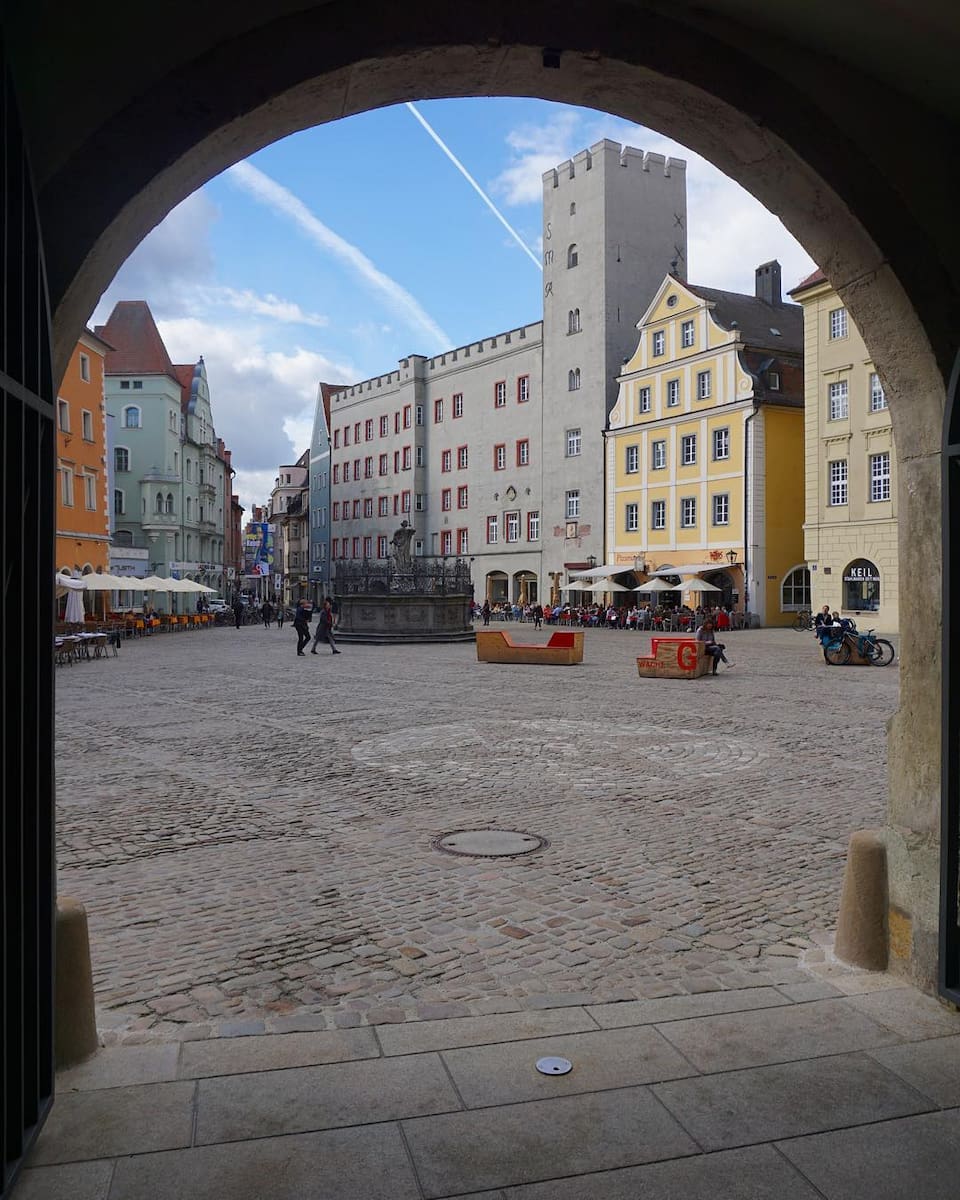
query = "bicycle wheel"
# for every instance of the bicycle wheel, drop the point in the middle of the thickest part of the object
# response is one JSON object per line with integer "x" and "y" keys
{"x": 837, "y": 654}
{"x": 802, "y": 622}
{"x": 881, "y": 653}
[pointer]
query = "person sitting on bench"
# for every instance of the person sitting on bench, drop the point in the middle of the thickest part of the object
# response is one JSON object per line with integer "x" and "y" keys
{"x": 711, "y": 646}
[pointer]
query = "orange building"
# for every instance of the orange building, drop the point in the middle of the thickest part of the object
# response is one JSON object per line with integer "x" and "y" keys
{"x": 83, "y": 515}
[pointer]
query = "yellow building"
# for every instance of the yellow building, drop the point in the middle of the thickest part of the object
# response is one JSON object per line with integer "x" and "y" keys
{"x": 83, "y": 518}
{"x": 704, "y": 449}
{"x": 850, "y": 527}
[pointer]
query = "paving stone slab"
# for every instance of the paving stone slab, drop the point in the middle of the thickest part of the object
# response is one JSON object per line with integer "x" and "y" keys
{"x": 313, "y": 1098}
{"x": 682, "y": 1008}
{"x": 787, "y": 1100}
{"x": 121, "y": 1066}
{"x": 114, "y": 1121}
{"x": 479, "y": 1031}
{"x": 366, "y": 1163}
{"x": 755, "y": 1173}
{"x": 933, "y": 1068}
{"x": 908, "y": 1013}
{"x": 230, "y": 1056}
{"x": 545, "y": 1139}
{"x": 72, "y": 1181}
{"x": 914, "y": 1157}
{"x": 815, "y": 989}
{"x": 613, "y": 1058}
{"x": 752, "y": 1039}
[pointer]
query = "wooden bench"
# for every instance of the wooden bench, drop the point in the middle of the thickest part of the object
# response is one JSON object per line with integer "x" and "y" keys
{"x": 675, "y": 658}
{"x": 565, "y": 649}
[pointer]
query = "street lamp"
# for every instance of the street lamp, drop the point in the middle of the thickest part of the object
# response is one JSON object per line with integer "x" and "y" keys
{"x": 731, "y": 557}
{"x": 592, "y": 560}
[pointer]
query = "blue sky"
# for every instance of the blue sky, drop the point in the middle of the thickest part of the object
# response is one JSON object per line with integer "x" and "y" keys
{"x": 337, "y": 251}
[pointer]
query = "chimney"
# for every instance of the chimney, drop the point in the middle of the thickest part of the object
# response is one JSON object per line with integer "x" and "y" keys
{"x": 768, "y": 282}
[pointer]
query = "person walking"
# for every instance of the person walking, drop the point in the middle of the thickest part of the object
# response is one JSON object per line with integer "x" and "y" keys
{"x": 238, "y": 612}
{"x": 326, "y": 620}
{"x": 486, "y": 612}
{"x": 301, "y": 623}
{"x": 280, "y": 614}
{"x": 537, "y": 616}
{"x": 267, "y": 613}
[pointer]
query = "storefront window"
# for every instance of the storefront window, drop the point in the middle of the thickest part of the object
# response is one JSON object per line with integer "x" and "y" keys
{"x": 861, "y": 586}
{"x": 795, "y": 591}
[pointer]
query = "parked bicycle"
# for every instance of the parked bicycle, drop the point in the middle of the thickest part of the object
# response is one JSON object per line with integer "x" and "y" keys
{"x": 839, "y": 644}
{"x": 803, "y": 620}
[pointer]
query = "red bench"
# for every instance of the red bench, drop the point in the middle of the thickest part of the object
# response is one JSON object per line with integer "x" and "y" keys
{"x": 674, "y": 658}
{"x": 565, "y": 649}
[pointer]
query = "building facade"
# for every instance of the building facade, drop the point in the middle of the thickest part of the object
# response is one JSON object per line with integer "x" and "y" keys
{"x": 850, "y": 524}
{"x": 83, "y": 513}
{"x": 705, "y": 447}
{"x": 493, "y": 451}
{"x": 319, "y": 501}
{"x": 170, "y": 477}
{"x": 289, "y": 517}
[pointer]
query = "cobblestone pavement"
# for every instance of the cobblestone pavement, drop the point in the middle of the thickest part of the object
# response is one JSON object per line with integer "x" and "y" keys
{"x": 253, "y": 836}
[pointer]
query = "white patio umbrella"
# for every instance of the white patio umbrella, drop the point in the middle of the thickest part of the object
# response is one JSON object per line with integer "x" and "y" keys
{"x": 657, "y": 585}
{"x": 606, "y": 585}
{"x": 154, "y": 583}
{"x": 74, "y": 589}
{"x": 698, "y": 585}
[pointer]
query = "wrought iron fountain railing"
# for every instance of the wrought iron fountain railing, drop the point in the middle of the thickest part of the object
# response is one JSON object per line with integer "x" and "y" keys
{"x": 424, "y": 576}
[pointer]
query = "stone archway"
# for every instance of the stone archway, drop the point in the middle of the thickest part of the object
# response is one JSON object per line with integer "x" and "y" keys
{"x": 749, "y": 97}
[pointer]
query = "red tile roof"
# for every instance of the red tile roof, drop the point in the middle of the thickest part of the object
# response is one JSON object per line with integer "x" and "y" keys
{"x": 817, "y": 277}
{"x": 184, "y": 374}
{"x": 138, "y": 346}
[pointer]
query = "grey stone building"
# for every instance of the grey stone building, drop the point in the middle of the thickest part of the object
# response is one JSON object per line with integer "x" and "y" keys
{"x": 493, "y": 451}
{"x": 320, "y": 495}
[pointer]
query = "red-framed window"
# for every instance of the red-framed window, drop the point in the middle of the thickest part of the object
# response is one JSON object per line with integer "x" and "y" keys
{"x": 405, "y": 502}
{"x": 368, "y": 547}
{"x": 368, "y": 430}
{"x": 335, "y": 548}
{"x": 336, "y": 510}
{"x": 500, "y": 457}
{"x": 523, "y": 452}
{"x": 446, "y": 460}
{"x": 457, "y": 402}
{"x": 407, "y": 416}
{"x": 346, "y": 435}
{"x": 368, "y": 507}
{"x": 384, "y": 464}
{"x": 462, "y": 496}
{"x": 396, "y": 422}
{"x": 356, "y": 468}
{"x": 336, "y": 439}
{"x": 463, "y": 458}
{"x": 407, "y": 458}
{"x": 384, "y": 425}
{"x": 446, "y": 542}
{"x": 356, "y": 547}
{"x": 463, "y": 542}
{"x": 368, "y": 467}
{"x": 383, "y": 507}
{"x": 396, "y": 462}
{"x": 493, "y": 530}
{"x": 446, "y": 499}
{"x": 437, "y": 411}
{"x": 396, "y": 504}
{"x": 356, "y": 510}
{"x": 336, "y": 472}
{"x": 500, "y": 394}
{"x": 382, "y": 545}
{"x": 356, "y": 433}
{"x": 523, "y": 389}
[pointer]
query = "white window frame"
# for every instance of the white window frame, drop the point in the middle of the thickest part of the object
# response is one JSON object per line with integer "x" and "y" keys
{"x": 721, "y": 444}
{"x": 533, "y": 525}
{"x": 658, "y": 343}
{"x": 688, "y": 450}
{"x": 673, "y": 393}
{"x": 63, "y": 416}
{"x": 66, "y": 486}
{"x": 573, "y": 379}
{"x": 512, "y": 525}
{"x": 500, "y": 394}
{"x": 878, "y": 397}
{"x": 720, "y": 508}
{"x": 574, "y": 443}
{"x": 116, "y": 465}
{"x": 838, "y": 475}
{"x": 458, "y": 404}
{"x": 127, "y": 410}
{"x": 838, "y": 323}
{"x": 688, "y": 334}
{"x": 632, "y": 517}
{"x": 688, "y": 512}
{"x": 86, "y": 424}
{"x": 658, "y": 454}
{"x": 838, "y": 400}
{"x": 704, "y": 385}
{"x": 572, "y": 504}
{"x": 658, "y": 514}
{"x": 632, "y": 459}
{"x": 523, "y": 452}
{"x": 880, "y": 481}
{"x": 643, "y": 399}
{"x": 493, "y": 530}
{"x": 85, "y": 367}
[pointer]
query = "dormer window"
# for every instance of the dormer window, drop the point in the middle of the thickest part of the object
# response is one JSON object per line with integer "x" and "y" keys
{"x": 773, "y": 381}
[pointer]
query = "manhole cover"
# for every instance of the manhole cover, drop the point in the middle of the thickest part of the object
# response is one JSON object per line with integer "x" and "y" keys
{"x": 489, "y": 843}
{"x": 554, "y": 1066}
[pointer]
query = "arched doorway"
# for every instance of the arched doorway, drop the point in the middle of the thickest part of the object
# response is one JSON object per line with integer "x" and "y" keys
{"x": 746, "y": 93}
{"x": 497, "y": 587}
{"x": 525, "y": 587}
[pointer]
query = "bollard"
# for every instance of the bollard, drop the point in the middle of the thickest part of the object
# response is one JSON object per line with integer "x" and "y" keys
{"x": 862, "y": 924}
{"x": 75, "y": 1022}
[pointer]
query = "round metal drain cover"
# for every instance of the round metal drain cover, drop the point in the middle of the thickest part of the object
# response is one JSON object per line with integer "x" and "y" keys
{"x": 554, "y": 1066}
{"x": 489, "y": 843}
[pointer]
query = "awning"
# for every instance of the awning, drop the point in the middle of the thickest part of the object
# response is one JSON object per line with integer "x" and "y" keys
{"x": 692, "y": 569}
{"x": 601, "y": 572}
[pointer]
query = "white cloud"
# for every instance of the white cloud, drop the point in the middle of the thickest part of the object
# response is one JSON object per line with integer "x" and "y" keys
{"x": 729, "y": 233}
{"x": 272, "y": 307}
{"x": 283, "y": 202}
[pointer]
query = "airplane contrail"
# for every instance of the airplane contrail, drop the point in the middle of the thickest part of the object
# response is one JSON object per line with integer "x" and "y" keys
{"x": 275, "y": 196}
{"x": 476, "y": 187}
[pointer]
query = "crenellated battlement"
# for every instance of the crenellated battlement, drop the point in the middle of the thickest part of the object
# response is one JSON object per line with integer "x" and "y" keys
{"x": 610, "y": 154}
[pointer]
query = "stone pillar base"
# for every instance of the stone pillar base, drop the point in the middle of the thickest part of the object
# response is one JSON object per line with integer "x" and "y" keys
{"x": 862, "y": 923}
{"x": 75, "y": 1022}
